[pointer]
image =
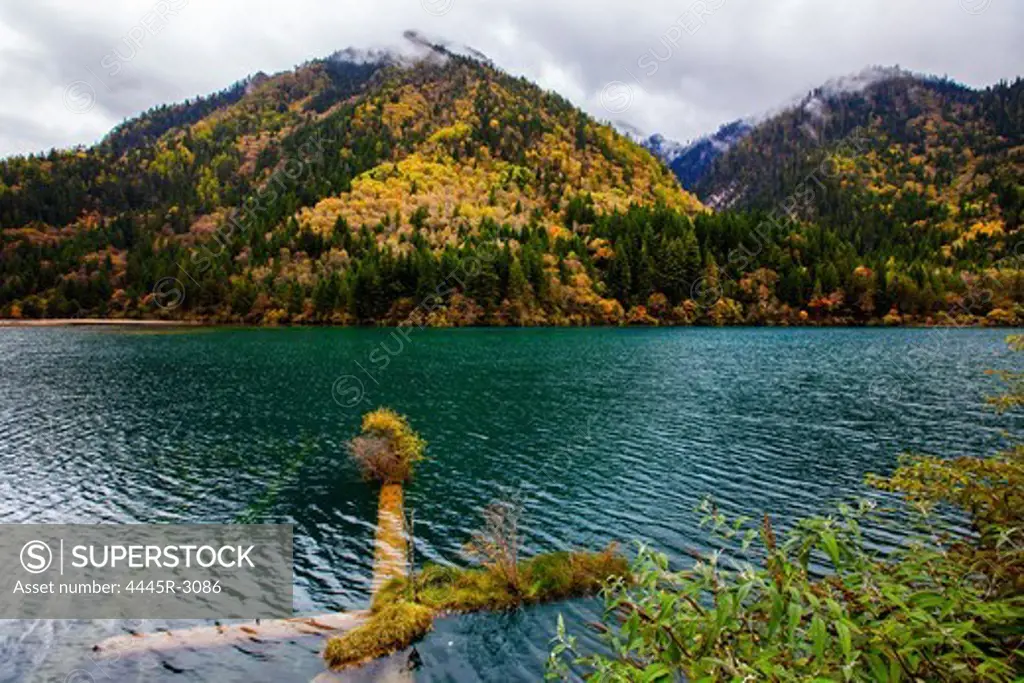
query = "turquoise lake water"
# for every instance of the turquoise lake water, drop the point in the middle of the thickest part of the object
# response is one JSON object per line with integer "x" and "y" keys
{"x": 603, "y": 434}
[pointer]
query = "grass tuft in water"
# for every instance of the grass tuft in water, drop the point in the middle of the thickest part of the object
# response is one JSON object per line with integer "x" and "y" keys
{"x": 390, "y": 629}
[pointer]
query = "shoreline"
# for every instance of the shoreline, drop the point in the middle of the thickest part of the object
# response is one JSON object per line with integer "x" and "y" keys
{"x": 98, "y": 322}
{"x": 142, "y": 323}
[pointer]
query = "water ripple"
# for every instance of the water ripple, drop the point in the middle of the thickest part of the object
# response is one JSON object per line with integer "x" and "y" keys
{"x": 605, "y": 434}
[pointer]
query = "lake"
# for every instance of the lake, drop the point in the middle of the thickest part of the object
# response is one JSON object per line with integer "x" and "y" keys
{"x": 603, "y": 434}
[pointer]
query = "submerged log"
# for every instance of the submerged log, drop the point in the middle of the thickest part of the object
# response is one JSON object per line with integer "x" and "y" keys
{"x": 202, "y": 637}
{"x": 389, "y": 561}
{"x": 393, "y": 669}
{"x": 389, "y": 554}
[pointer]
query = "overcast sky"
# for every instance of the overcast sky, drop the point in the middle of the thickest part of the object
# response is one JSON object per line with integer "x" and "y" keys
{"x": 71, "y": 70}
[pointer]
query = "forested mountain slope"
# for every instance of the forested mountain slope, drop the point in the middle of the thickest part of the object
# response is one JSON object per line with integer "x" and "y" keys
{"x": 439, "y": 190}
{"x": 905, "y": 159}
{"x": 343, "y": 191}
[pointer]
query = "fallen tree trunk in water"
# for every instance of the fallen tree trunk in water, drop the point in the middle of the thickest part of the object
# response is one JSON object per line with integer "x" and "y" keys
{"x": 389, "y": 562}
{"x": 405, "y": 607}
{"x": 201, "y": 637}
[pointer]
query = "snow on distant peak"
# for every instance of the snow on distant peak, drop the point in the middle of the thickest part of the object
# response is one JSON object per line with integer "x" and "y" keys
{"x": 351, "y": 55}
{"x": 814, "y": 102}
{"x": 442, "y": 45}
{"x": 630, "y": 131}
{"x": 853, "y": 83}
{"x": 665, "y": 149}
{"x": 815, "y": 105}
{"x": 691, "y": 161}
{"x": 413, "y": 49}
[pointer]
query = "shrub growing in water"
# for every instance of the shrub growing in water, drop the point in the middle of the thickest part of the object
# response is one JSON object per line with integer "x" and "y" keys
{"x": 497, "y": 543}
{"x": 388, "y": 448}
{"x": 404, "y": 607}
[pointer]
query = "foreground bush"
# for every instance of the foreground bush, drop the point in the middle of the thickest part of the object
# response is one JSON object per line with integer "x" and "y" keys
{"x": 388, "y": 448}
{"x": 823, "y": 604}
{"x": 390, "y": 629}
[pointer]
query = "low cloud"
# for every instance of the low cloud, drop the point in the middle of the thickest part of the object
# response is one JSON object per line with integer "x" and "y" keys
{"x": 680, "y": 69}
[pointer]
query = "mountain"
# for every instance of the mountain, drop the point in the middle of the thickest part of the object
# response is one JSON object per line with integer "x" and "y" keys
{"x": 890, "y": 155}
{"x": 691, "y": 162}
{"x": 431, "y": 188}
{"x": 883, "y": 197}
{"x": 348, "y": 190}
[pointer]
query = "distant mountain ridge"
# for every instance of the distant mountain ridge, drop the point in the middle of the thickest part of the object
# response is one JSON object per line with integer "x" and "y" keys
{"x": 950, "y": 152}
{"x": 691, "y": 162}
{"x": 920, "y": 151}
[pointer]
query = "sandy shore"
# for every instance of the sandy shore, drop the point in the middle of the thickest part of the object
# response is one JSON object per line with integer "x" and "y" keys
{"x": 88, "y": 322}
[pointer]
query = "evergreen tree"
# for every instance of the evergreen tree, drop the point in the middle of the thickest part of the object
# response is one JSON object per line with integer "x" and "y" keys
{"x": 518, "y": 286}
{"x": 673, "y": 277}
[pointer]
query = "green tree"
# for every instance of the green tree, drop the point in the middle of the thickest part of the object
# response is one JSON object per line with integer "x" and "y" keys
{"x": 620, "y": 277}
{"x": 518, "y": 285}
{"x": 326, "y": 293}
{"x": 674, "y": 277}
{"x": 296, "y": 298}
